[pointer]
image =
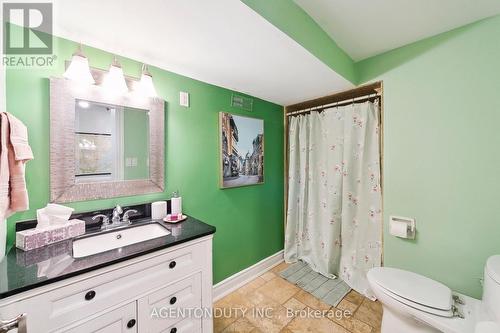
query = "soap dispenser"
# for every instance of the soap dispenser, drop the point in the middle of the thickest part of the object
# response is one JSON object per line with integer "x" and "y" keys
{"x": 176, "y": 202}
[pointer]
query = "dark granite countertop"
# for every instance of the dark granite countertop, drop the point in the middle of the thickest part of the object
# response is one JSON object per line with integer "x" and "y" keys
{"x": 21, "y": 271}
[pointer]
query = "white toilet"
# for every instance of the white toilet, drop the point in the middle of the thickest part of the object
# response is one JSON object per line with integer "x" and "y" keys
{"x": 413, "y": 303}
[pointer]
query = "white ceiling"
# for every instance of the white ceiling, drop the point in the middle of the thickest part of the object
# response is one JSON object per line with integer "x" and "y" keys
{"x": 365, "y": 28}
{"x": 222, "y": 42}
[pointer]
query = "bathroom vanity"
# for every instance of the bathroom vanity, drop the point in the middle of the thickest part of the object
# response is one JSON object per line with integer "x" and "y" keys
{"x": 145, "y": 277}
{"x": 150, "y": 286}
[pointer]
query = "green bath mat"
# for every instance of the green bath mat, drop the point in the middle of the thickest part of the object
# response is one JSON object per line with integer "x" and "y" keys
{"x": 330, "y": 291}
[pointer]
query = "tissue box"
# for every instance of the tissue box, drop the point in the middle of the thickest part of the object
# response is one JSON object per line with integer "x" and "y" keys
{"x": 34, "y": 238}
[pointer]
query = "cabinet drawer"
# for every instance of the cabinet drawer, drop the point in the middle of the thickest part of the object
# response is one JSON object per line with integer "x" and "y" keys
{"x": 170, "y": 304}
{"x": 95, "y": 292}
{"x": 185, "y": 326}
{"x": 119, "y": 320}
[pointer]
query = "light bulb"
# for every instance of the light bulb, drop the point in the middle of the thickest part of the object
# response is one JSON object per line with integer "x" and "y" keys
{"x": 114, "y": 80}
{"x": 146, "y": 85}
{"x": 79, "y": 70}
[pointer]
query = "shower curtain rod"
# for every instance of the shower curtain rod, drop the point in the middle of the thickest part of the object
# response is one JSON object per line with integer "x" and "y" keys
{"x": 346, "y": 101}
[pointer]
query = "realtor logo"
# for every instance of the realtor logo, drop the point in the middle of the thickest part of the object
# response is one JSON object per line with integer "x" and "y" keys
{"x": 27, "y": 28}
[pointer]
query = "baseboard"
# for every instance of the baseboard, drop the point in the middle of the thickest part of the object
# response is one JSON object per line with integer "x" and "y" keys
{"x": 241, "y": 278}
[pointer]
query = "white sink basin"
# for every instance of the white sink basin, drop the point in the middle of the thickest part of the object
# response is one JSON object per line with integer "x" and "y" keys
{"x": 114, "y": 239}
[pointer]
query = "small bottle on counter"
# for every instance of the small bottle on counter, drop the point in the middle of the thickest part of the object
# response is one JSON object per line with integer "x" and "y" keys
{"x": 176, "y": 203}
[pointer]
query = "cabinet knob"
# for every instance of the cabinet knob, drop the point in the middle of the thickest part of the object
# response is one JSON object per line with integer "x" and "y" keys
{"x": 131, "y": 323}
{"x": 90, "y": 295}
{"x": 173, "y": 300}
{"x": 172, "y": 264}
{"x": 173, "y": 330}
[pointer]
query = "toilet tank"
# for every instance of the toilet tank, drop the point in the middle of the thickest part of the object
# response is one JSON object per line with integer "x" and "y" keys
{"x": 491, "y": 290}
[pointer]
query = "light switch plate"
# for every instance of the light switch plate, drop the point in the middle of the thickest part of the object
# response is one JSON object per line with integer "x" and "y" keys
{"x": 184, "y": 99}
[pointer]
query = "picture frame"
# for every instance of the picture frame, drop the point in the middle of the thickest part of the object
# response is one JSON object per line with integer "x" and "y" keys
{"x": 241, "y": 147}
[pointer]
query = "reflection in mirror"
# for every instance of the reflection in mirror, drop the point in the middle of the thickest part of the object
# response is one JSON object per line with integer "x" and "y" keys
{"x": 112, "y": 142}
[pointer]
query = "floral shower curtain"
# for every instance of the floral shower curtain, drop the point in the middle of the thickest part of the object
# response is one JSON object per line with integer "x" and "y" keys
{"x": 334, "y": 196}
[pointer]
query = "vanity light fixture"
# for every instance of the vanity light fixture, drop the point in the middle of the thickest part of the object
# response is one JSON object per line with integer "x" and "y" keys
{"x": 79, "y": 70}
{"x": 114, "y": 80}
{"x": 146, "y": 85}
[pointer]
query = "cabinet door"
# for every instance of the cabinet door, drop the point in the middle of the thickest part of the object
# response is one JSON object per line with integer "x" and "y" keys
{"x": 162, "y": 309}
{"x": 123, "y": 319}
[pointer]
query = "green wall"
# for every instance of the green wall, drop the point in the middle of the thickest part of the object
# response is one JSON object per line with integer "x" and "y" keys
{"x": 291, "y": 19}
{"x": 441, "y": 155}
{"x": 248, "y": 219}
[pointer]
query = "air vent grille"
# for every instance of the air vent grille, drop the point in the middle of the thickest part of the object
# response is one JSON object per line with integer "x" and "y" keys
{"x": 242, "y": 102}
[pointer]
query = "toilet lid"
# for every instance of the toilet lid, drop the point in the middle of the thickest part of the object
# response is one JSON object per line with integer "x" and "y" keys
{"x": 413, "y": 287}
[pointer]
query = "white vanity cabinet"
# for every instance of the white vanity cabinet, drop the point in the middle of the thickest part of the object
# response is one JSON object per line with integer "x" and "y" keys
{"x": 150, "y": 293}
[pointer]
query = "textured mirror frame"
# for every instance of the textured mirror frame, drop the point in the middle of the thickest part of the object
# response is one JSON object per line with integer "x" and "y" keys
{"x": 63, "y": 186}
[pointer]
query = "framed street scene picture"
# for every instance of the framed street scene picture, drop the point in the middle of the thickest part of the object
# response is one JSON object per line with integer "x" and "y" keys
{"x": 241, "y": 150}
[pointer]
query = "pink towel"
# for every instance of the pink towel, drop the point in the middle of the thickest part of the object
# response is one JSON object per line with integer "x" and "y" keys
{"x": 14, "y": 153}
{"x": 19, "y": 139}
{"x": 4, "y": 167}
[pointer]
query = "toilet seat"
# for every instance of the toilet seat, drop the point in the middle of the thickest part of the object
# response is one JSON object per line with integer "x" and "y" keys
{"x": 414, "y": 290}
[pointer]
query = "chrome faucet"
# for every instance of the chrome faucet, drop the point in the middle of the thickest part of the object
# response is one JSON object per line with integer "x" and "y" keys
{"x": 116, "y": 219}
{"x": 117, "y": 211}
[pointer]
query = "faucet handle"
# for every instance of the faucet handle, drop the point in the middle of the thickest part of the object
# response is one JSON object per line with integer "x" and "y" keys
{"x": 105, "y": 220}
{"x": 126, "y": 218}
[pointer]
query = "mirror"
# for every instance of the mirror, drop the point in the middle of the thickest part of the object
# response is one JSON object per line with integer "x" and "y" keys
{"x": 104, "y": 145}
{"x": 111, "y": 142}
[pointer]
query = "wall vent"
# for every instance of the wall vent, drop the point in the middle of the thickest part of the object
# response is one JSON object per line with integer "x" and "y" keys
{"x": 242, "y": 102}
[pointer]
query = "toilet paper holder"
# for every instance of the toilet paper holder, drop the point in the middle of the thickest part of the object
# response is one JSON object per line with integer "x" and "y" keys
{"x": 395, "y": 227}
